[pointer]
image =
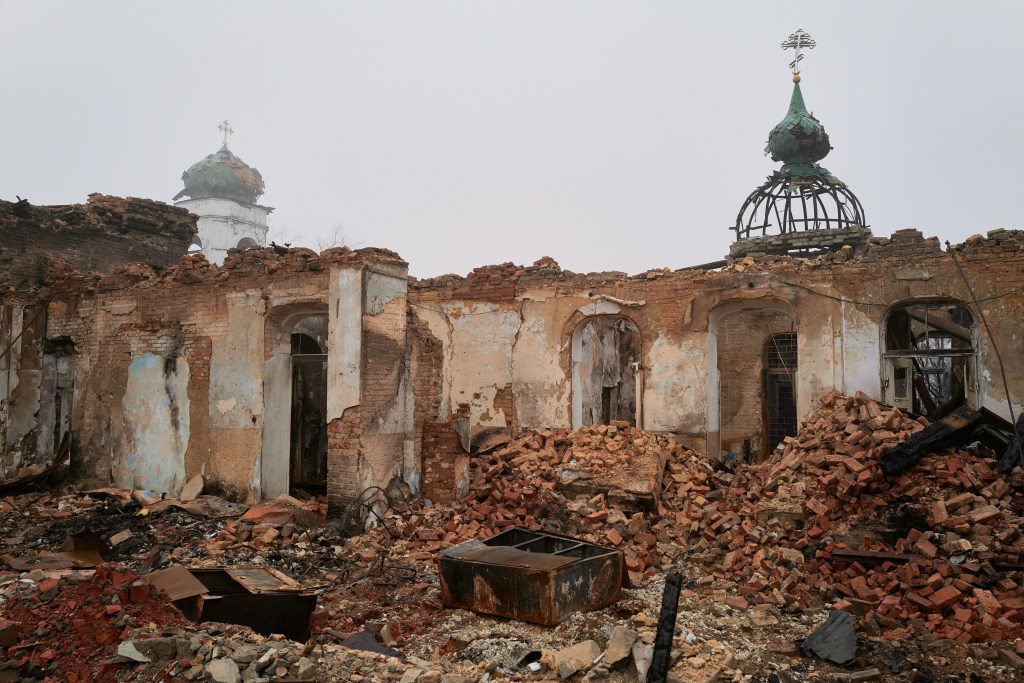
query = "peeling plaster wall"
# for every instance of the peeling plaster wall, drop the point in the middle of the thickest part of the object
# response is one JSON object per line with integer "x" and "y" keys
{"x": 156, "y": 425}
{"x": 838, "y": 305}
{"x": 236, "y": 395}
{"x": 222, "y": 326}
{"x": 1008, "y": 331}
{"x": 498, "y": 341}
{"x": 21, "y": 378}
{"x": 344, "y": 341}
{"x": 371, "y": 404}
{"x": 387, "y": 396}
{"x": 858, "y": 351}
{"x": 478, "y": 341}
{"x": 541, "y": 388}
{"x": 675, "y": 383}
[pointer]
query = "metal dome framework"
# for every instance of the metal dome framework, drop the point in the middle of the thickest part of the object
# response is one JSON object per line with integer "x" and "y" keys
{"x": 788, "y": 204}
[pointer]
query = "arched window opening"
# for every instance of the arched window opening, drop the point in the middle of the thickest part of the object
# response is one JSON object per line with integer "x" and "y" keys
{"x": 606, "y": 358}
{"x": 304, "y": 344}
{"x": 196, "y": 247}
{"x": 247, "y": 243}
{"x": 929, "y": 357}
{"x": 778, "y": 384}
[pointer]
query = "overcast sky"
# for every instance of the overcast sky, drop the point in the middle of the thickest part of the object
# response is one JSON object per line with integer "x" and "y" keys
{"x": 608, "y": 135}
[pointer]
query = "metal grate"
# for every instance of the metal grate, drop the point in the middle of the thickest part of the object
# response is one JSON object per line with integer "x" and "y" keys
{"x": 779, "y": 387}
{"x": 780, "y": 352}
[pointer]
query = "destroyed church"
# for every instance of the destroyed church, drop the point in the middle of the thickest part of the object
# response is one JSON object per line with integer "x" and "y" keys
{"x": 149, "y": 343}
{"x": 234, "y": 462}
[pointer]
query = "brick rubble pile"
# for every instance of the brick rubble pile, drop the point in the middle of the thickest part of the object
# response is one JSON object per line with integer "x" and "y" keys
{"x": 771, "y": 529}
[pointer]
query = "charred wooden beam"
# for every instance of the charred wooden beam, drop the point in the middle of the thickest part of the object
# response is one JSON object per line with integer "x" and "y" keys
{"x": 954, "y": 429}
{"x": 943, "y": 325}
{"x": 666, "y": 629}
{"x": 1014, "y": 454}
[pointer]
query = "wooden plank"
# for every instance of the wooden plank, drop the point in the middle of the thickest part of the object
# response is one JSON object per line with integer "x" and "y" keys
{"x": 872, "y": 556}
{"x": 943, "y": 325}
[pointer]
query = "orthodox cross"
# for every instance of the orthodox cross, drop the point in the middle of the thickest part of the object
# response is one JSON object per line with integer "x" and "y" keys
{"x": 798, "y": 41}
{"x": 225, "y": 128}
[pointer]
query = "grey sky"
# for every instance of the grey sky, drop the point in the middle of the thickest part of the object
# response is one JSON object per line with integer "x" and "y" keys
{"x": 608, "y": 135}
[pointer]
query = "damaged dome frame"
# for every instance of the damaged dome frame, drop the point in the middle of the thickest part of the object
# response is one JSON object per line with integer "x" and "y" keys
{"x": 798, "y": 204}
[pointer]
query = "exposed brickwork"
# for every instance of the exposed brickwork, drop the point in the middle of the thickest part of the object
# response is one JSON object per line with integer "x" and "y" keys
{"x": 490, "y": 283}
{"x": 505, "y": 401}
{"x": 99, "y": 235}
{"x": 372, "y": 436}
{"x": 674, "y": 307}
{"x": 182, "y": 311}
{"x": 741, "y": 339}
{"x": 441, "y": 449}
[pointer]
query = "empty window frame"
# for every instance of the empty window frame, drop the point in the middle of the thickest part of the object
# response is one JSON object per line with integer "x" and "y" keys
{"x": 929, "y": 357}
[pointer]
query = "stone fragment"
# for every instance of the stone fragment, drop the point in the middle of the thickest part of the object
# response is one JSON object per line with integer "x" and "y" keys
{"x": 192, "y": 489}
{"x": 223, "y": 671}
{"x": 120, "y": 537}
{"x": 8, "y": 633}
{"x": 304, "y": 668}
{"x": 411, "y": 675}
{"x": 643, "y": 653}
{"x": 579, "y": 657}
{"x": 128, "y": 650}
{"x": 620, "y": 644}
{"x": 245, "y": 654}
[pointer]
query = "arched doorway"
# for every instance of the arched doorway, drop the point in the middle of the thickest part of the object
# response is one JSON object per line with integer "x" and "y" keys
{"x": 308, "y": 433}
{"x": 929, "y": 357}
{"x": 247, "y": 243}
{"x": 196, "y": 247}
{"x": 752, "y": 379}
{"x": 295, "y": 399}
{"x": 605, "y": 361}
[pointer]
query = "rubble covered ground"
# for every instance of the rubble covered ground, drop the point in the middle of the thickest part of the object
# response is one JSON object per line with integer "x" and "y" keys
{"x": 929, "y": 563}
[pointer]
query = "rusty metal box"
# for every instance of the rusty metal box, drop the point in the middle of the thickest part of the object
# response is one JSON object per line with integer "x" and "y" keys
{"x": 530, "y": 576}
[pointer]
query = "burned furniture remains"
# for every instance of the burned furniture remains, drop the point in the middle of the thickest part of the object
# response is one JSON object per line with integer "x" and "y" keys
{"x": 262, "y": 598}
{"x": 531, "y": 576}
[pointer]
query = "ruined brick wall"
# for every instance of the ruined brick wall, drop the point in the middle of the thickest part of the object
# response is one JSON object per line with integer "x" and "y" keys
{"x": 494, "y": 342}
{"x": 96, "y": 236}
{"x": 171, "y": 368}
{"x": 498, "y": 342}
{"x": 372, "y": 444}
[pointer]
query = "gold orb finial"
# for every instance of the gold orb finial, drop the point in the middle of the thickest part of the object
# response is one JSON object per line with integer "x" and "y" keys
{"x": 796, "y": 78}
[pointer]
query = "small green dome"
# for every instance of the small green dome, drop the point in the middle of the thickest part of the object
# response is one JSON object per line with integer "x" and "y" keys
{"x": 799, "y": 140}
{"x": 222, "y": 175}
